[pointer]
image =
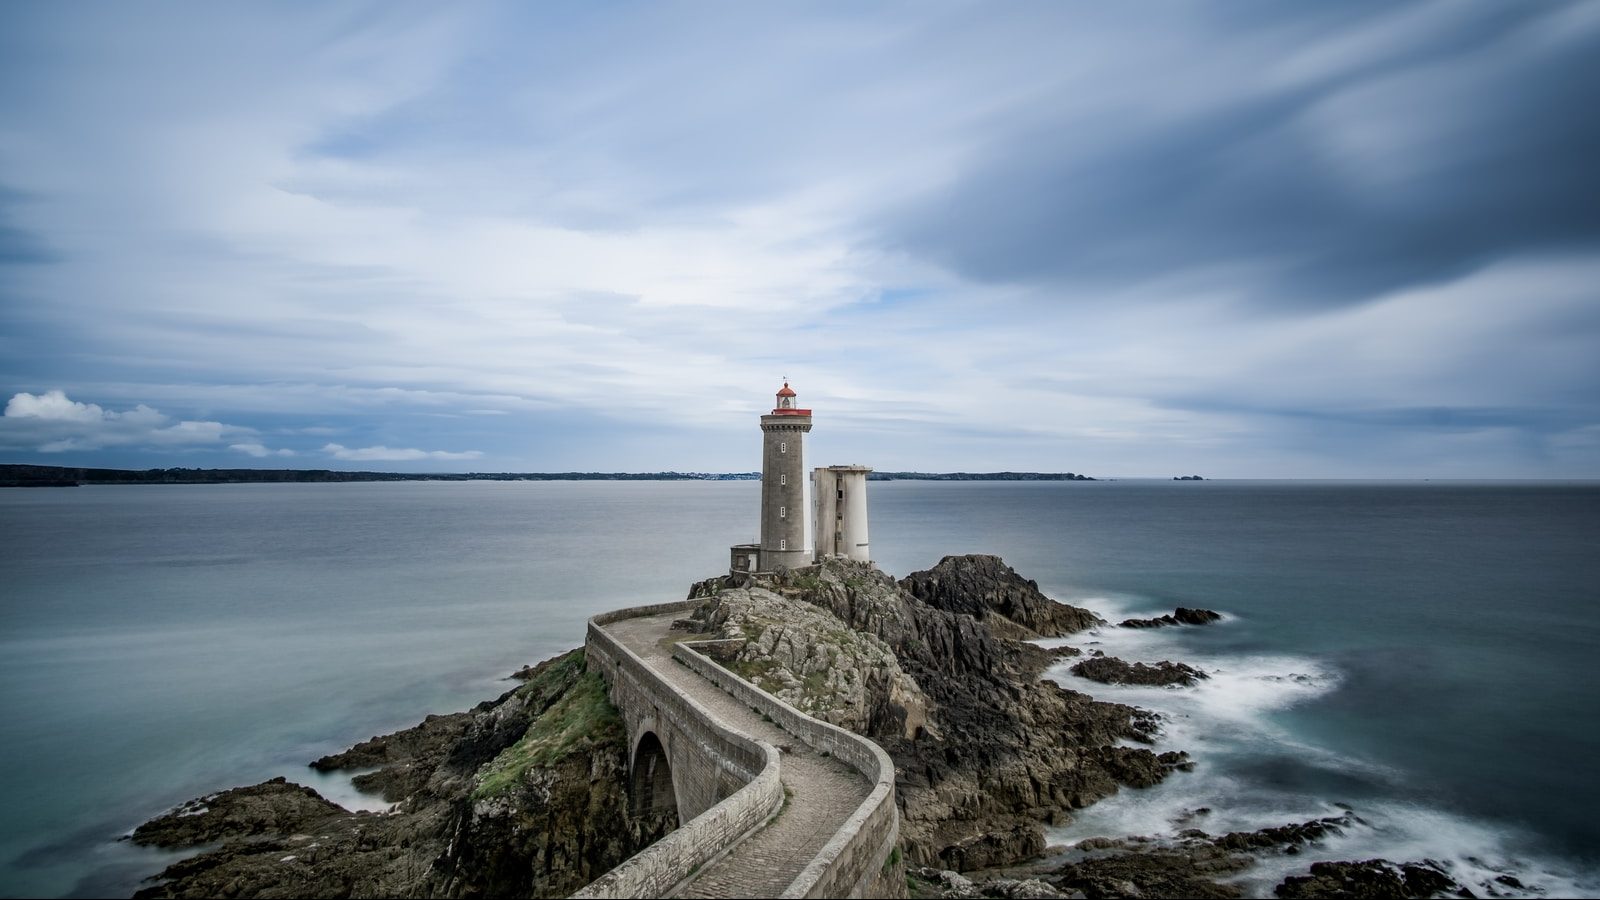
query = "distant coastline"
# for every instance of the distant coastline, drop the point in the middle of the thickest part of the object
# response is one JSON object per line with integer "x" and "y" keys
{"x": 66, "y": 476}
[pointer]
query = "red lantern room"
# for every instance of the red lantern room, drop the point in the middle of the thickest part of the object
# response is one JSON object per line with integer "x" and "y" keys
{"x": 786, "y": 405}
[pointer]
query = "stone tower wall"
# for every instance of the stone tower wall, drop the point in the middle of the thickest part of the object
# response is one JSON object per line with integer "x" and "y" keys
{"x": 783, "y": 492}
{"x": 841, "y": 512}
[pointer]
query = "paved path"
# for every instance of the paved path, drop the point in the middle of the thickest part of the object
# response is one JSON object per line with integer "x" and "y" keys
{"x": 822, "y": 791}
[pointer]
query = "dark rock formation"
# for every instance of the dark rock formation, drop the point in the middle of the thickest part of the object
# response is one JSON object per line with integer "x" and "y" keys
{"x": 1287, "y": 837}
{"x": 1372, "y": 878}
{"x": 1189, "y": 873}
{"x": 1001, "y": 752}
{"x": 1111, "y": 670}
{"x": 271, "y": 807}
{"x": 526, "y": 795}
{"x": 407, "y": 759}
{"x": 1188, "y": 866}
{"x": 930, "y": 882}
{"x": 1183, "y": 615}
{"x": 521, "y": 796}
{"x": 987, "y": 589}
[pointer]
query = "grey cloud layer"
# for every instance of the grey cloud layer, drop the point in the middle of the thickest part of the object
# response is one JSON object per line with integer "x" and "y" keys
{"x": 1249, "y": 238}
{"x": 1473, "y": 142}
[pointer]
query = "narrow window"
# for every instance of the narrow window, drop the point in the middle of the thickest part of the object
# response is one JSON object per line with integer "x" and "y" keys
{"x": 841, "y": 493}
{"x": 783, "y": 479}
{"x": 783, "y": 446}
{"x": 783, "y": 512}
{"x": 783, "y": 544}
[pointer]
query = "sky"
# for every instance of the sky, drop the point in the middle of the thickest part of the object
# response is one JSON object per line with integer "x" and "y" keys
{"x": 1238, "y": 240}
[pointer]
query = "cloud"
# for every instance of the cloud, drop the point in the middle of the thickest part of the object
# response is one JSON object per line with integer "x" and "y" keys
{"x": 1305, "y": 184}
{"x": 259, "y": 450}
{"x": 52, "y": 423}
{"x": 1205, "y": 231}
{"x": 380, "y": 452}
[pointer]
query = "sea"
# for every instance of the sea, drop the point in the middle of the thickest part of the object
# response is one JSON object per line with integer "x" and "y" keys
{"x": 1419, "y": 653}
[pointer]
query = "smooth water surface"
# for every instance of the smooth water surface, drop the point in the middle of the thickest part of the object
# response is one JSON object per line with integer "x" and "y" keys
{"x": 1417, "y": 650}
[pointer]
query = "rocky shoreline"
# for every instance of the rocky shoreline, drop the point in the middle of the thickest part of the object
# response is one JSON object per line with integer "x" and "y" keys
{"x": 527, "y": 794}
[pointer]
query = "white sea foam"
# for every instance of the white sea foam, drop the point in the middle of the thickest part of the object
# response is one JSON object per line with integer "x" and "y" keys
{"x": 1475, "y": 854}
{"x": 339, "y": 787}
{"x": 1227, "y": 724}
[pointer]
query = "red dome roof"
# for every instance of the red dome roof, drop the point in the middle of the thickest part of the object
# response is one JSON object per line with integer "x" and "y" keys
{"x": 787, "y": 391}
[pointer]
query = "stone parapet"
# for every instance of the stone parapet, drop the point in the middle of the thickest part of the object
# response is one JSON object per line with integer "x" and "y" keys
{"x": 664, "y": 866}
{"x": 856, "y": 862}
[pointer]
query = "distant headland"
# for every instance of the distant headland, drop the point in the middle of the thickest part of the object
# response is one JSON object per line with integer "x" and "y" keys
{"x": 65, "y": 476}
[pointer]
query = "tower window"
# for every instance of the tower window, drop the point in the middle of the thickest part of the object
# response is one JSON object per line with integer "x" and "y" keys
{"x": 783, "y": 544}
{"x": 783, "y": 479}
{"x": 783, "y": 512}
{"x": 783, "y": 446}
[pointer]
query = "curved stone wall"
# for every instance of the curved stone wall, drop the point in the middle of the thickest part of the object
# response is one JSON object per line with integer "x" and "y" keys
{"x": 704, "y": 835}
{"x": 856, "y": 862}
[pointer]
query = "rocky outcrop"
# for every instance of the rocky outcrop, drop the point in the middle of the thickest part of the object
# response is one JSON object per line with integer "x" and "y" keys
{"x": 987, "y": 589}
{"x": 1000, "y": 752}
{"x": 1195, "y": 864}
{"x": 522, "y": 796}
{"x": 1183, "y": 615}
{"x": 1372, "y": 878}
{"x": 803, "y": 655}
{"x": 526, "y": 795}
{"x": 930, "y": 882}
{"x": 271, "y": 807}
{"x": 1111, "y": 670}
{"x": 405, "y": 760}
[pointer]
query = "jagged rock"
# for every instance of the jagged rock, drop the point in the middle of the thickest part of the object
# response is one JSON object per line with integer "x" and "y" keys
{"x": 407, "y": 758}
{"x": 1183, "y": 615}
{"x": 944, "y": 883}
{"x": 1372, "y": 878}
{"x": 271, "y": 807}
{"x": 1111, "y": 670}
{"x": 806, "y": 657}
{"x": 1194, "y": 864}
{"x": 484, "y": 817}
{"x": 1002, "y": 752}
{"x": 987, "y": 589}
{"x": 1286, "y": 835}
{"x": 985, "y": 752}
{"x": 1151, "y": 874}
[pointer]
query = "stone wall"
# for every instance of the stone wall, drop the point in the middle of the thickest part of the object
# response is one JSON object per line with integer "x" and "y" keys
{"x": 783, "y": 492}
{"x": 860, "y": 860}
{"x": 727, "y": 782}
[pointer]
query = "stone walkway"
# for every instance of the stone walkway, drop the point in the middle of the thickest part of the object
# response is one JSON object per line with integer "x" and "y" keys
{"x": 822, "y": 791}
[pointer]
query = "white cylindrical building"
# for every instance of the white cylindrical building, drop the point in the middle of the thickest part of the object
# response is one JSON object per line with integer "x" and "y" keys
{"x": 840, "y": 528}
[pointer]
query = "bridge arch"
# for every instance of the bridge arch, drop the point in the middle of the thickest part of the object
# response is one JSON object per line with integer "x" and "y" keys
{"x": 652, "y": 790}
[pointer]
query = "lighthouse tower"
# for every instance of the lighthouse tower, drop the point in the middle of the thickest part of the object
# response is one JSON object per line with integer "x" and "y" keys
{"x": 783, "y": 485}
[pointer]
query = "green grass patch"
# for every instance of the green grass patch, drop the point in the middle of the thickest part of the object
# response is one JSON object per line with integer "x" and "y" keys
{"x": 581, "y": 719}
{"x": 806, "y": 581}
{"x": 553, "y": 677}
{"x": 758, "y": 672}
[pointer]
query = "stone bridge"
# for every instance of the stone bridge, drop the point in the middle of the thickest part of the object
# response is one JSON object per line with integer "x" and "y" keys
{"x": 770, "y": 801}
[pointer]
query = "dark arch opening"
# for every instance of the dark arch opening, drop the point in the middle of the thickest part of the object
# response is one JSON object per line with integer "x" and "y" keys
{"x": 650, "y": 793}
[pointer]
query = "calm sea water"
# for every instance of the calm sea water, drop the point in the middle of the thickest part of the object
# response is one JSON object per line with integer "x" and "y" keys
{"x": 1420, "y": 651}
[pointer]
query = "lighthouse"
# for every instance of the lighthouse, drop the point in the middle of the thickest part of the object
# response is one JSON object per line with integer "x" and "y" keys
{"x": 841, "y": 501}
{"x": 783, "y": 493}
{"x": 783, "y": 485}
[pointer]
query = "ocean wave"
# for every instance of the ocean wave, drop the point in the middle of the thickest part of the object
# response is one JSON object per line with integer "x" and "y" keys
{"x": 339, "y": 787}
{"x": 1493, "y": 861}
{"x": 1252, "y": 772}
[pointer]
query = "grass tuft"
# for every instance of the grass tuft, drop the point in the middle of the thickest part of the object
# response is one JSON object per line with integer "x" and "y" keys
{"x": 580, "y": 720}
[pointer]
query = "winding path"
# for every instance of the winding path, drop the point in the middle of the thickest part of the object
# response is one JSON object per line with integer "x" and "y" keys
{"x": 822, "y": 792}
